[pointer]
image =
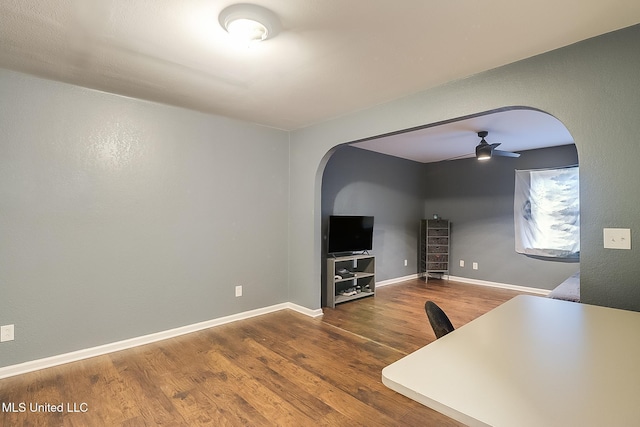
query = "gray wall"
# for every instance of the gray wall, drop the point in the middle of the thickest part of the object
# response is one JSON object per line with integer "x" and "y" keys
{"x": 121, "y": 218}
{"x": 477, "y": 197}
{"x": 593, "y": 87}
{"x": 361, "y": 182}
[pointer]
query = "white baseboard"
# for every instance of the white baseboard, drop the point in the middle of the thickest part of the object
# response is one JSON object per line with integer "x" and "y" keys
{"x": 48, "y": 362}
{"x": 537, "y": 291}
{"x": 396, "y": 280}
{"x": 304, "y": 310}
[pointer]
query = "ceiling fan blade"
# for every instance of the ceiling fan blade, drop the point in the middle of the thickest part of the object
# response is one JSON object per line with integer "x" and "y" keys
{"x": 501, "y": 153}
{"x": 495, "y": 145}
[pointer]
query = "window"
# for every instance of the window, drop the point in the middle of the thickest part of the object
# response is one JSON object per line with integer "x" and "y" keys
{"x": 547, "y": 212}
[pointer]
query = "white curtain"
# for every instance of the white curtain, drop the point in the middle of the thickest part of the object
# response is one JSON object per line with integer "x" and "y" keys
{"x": 547, "y": 212}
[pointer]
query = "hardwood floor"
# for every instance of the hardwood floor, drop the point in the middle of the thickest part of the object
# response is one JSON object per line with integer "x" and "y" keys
{"x": 279, "y": 369}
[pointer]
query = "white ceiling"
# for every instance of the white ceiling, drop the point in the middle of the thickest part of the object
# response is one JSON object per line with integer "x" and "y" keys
{"x": 515, "y": 130}
{"x": 330, "y": 58}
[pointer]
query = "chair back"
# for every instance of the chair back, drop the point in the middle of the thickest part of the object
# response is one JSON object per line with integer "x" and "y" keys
{"x": 439, "y": 321}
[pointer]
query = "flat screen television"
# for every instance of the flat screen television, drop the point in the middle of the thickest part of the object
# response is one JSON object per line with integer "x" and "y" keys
{"x": 350, "y": 234}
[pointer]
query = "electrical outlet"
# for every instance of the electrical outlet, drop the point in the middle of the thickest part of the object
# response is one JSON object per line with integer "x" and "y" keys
{"x": 617, "y": 238}
{"x": 405, "y": 262}
{"x": 6, "y": 333}
{"x": 239, "y": 291}
{"x": 461, "y": 263}
{"x": 475, "y": 265}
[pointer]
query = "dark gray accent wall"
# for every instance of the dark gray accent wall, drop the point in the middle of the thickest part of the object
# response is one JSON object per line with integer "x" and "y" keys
{"x": 477, "y": 197}
{"x": 361, "y": 182}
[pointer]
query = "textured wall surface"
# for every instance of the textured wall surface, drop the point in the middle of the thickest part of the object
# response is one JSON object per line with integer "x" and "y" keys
{"x": 121, "y": 218}
{"x": 593, "y": 87}
{"x": 360, "y": 182}
{"x": 477, "y": 197}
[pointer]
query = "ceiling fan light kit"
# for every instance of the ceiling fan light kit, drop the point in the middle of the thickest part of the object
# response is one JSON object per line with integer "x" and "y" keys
{"x": 485, "y": 151}
{"x": 482, "y": 154}
{"x": 248, "y": 23}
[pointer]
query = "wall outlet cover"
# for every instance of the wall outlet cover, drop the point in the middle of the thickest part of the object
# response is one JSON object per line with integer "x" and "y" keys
{"x": 6, "y": 333}
{"x": 617, "y": 238}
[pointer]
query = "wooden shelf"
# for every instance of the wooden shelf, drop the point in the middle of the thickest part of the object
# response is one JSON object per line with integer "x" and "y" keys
{"x": 362, "y": 268}
{"x": 342, "y": 298}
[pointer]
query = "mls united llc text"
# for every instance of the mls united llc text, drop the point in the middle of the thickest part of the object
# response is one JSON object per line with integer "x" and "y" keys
{"x": 68, "y": 407}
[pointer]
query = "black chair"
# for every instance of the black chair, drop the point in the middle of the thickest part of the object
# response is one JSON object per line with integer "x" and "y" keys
{"x": 439, "y": 321}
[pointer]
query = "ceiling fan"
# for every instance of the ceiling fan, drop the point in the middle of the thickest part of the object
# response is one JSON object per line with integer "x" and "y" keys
{"x": 485, "y": 151}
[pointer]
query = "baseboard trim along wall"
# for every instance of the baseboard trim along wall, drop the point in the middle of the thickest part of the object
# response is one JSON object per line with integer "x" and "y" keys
{"x": 500, "y": 285}
{"x": 396, "y": 280}
{"x": 48, "y": 362}
{"x": 537, "y": 291}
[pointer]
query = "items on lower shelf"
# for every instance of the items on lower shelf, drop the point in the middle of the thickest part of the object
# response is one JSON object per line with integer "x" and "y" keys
{"x": 354, "y": 291}
{"x": 348, "y": 278}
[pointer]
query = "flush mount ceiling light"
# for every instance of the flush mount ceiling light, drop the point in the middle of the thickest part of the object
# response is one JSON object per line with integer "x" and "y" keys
{"x": 248, "y": 22}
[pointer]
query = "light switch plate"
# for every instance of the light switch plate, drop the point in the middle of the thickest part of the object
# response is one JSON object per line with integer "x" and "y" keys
{"x": 617, "y": 238}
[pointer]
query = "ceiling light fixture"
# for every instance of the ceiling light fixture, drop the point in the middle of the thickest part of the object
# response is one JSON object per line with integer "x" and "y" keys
{"x": 248, "y": 23}
{"x": 483, "y": 152}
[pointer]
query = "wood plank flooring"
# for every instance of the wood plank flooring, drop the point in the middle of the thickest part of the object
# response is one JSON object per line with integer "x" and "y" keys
{"x": 279, "y": 369}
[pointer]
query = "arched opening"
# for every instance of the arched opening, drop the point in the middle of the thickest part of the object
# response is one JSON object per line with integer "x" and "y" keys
{"x": 403, "y": 177}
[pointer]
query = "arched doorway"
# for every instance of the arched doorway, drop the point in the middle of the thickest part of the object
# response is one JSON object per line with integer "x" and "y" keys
{"x": 402, "y": 177}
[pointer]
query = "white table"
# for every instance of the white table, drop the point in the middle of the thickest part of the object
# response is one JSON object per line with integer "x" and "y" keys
{"x": 532, "y": 361}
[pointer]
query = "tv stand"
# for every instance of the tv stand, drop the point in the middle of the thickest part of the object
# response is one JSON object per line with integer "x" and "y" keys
{"x": 346, "y": 254}
{"x": 350, "y": 277}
